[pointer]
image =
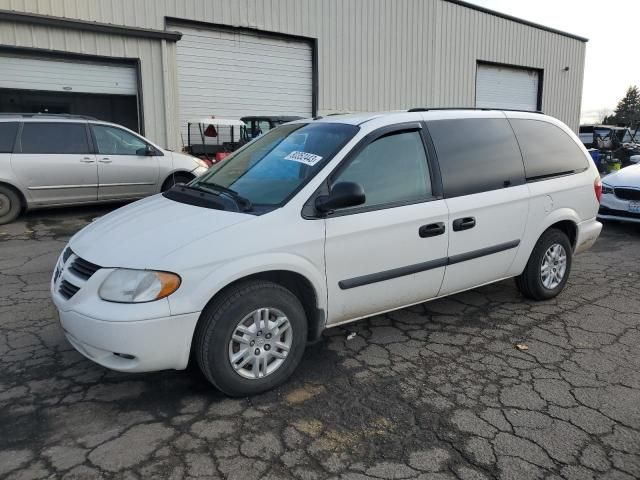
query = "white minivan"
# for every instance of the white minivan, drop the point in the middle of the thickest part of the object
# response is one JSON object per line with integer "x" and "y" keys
{"x": 322, "y": 222}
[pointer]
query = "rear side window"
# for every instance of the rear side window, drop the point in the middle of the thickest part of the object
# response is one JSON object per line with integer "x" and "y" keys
{"x": 547, "y": 150}
{"x": 392, "y": 169}
{"x": 7, "y": 136}
{"x": 44, "y": 137}
{"x": 476, "y": 155}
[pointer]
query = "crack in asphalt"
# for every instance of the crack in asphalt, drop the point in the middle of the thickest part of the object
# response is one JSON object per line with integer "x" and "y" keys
{"x": 434, "y": 391}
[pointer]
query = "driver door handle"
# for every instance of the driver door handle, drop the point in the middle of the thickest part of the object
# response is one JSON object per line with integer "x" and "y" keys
{"x": 431, "y": 230}
{"x": 88, "y": 160}
{"x": 105, "y": 160}
{"x": 463, "y": 223}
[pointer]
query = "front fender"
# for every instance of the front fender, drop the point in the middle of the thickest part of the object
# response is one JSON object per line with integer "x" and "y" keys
{"x": 198, "y": 289}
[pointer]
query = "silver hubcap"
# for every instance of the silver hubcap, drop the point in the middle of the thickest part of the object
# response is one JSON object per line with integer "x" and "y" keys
{"x": 260, "y": 343}
{"x": 554, "y": 266}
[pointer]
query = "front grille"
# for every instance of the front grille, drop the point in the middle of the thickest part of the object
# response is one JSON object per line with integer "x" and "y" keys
{"x": 627, "y": 193}
{"x": 68, "y": 290}
{"x": 83, "y": 268}
{"x": 66, "y": 254}
{"x": 618, "y": 213}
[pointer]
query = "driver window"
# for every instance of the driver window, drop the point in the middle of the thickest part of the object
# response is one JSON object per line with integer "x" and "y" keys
{"x": 114, "y": 141}
{"x": 391, "y": 169}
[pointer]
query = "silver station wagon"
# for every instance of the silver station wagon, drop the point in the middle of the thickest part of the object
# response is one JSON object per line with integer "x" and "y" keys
{"x": 58, "y": 160}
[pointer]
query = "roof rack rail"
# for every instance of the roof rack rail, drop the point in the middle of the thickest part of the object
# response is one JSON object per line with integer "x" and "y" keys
{"x": 429, "y": 109}
{"x": 46, "y": 115}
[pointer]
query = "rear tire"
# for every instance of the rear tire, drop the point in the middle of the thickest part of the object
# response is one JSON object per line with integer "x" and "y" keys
{"x": 230, "y": 318}
{"x": 10, "y": 204}
{"x": 172, "y": 180}
{"x": 548, "y": 268}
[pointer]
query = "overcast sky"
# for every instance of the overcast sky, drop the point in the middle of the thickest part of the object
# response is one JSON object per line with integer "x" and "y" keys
{"x": 613, "y": 50}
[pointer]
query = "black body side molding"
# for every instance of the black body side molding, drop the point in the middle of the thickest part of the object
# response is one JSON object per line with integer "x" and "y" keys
{"x": 424, "y": 266}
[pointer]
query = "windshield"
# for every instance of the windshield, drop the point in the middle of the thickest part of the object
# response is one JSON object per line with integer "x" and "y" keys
{"x": 271, "y": 168}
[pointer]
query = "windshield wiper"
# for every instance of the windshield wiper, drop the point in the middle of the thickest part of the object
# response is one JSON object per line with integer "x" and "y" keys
{"x": 242, "y": 202}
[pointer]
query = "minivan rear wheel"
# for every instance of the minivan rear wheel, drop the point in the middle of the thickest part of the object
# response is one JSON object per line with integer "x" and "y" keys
{"x": 548, "y": 268}
{"x": 10, "y": 205}
{"x": 251, "y": 338}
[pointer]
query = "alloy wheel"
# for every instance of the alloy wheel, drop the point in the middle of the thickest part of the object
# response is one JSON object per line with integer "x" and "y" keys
{"x": 554, "y": 266}
{"x": 260, "y": 343}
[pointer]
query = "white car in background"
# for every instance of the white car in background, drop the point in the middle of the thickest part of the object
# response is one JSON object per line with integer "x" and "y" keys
{"x": 621, "y": 195}
{"x": 49, "y": 160}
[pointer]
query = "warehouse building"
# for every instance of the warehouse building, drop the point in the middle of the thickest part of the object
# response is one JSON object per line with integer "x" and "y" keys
{"x": 151, "y": 65}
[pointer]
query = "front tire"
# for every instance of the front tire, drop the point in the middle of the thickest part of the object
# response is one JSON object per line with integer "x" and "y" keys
{"x": 548, "y": 268}
{"x": 251, "y": 338}
{"x": 10, "y": 205}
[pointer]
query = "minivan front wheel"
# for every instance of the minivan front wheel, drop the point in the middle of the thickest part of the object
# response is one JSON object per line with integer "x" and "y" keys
{"x": 10, "y": 205}
{"x": 251, "y": 338}
{"x": 548, "y": 268}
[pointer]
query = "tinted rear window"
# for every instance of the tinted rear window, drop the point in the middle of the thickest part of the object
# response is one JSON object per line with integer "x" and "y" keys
{"x": 547, "y": 150}
{"x": 43, "y": 137}
{"x": 476, "y": 155}
{"x": 7, "y": 136}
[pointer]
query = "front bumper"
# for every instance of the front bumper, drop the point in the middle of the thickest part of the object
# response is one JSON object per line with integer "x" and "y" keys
{"x": 140, "y": 346}
{"x": 619, "y": 215}
{"x": 614, "y": 208}
{"x": 137, "y": 337}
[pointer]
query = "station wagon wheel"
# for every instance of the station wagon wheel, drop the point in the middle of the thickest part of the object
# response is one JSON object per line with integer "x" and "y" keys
{"x": 260, "y": 343}
{"x": 10, "y": 205}
{"x": 548, "y": 268}
{"x": 251, "y": 337}
{"x": 174, "y": 179}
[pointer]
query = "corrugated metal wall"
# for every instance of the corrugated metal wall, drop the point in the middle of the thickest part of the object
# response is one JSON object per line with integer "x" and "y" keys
{"x": 372, "y": 54}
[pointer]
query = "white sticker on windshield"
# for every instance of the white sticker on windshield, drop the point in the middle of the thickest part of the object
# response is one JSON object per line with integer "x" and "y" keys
{"x": 304, "y": 157}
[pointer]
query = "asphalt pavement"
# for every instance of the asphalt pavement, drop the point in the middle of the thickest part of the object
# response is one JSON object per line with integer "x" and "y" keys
{"x": 437, "y": 391}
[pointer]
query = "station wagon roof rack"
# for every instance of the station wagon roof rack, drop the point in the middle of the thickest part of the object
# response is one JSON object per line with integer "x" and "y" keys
{"x": 430, "y": 109}
{"x": 47, "y": 115}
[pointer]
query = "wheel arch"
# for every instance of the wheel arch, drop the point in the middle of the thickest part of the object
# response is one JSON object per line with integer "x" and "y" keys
{"x": 19, "y": 192}
{"x": 180, "y": 172}
{"x": 569, "y": 228}
{"x": 564, "y": 219}
{"x": 299, "y": 284}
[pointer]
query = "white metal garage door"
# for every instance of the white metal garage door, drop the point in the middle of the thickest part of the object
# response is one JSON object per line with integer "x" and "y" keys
{"x": 66, "y": 76}
{"x": 504, "y": 87}
{"x": 232, "y": 74}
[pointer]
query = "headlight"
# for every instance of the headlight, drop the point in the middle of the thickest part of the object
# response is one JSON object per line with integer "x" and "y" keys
{"x": 137, "y": 286}
{"x": 202, "y": 163}
{"x": 606, "y": 188}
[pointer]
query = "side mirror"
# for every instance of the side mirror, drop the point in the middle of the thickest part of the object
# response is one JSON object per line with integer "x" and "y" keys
{"x": 147, "y": 151}
{"x": 342, "y": 195}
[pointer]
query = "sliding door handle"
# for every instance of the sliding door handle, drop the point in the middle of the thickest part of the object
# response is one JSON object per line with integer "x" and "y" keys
{"x": 431, "y": 230}
{"x": 463, "y": 223}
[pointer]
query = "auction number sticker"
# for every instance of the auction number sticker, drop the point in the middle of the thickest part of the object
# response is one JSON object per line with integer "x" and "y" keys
{"x": 304, "y": 157}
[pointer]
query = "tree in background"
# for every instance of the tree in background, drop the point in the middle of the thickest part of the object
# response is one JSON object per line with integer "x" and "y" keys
{"x": 627, "y": 113}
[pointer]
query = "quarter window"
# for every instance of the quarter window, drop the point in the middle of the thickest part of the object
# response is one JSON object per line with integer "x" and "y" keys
{"x": 547, "y": 150}
{"x": 476, "y": 155}
{"x": 391, "y": 169}
{"x": 8, "y": 132}
{"x": 115, "y": 141}
{"x": 54, "y": 138}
